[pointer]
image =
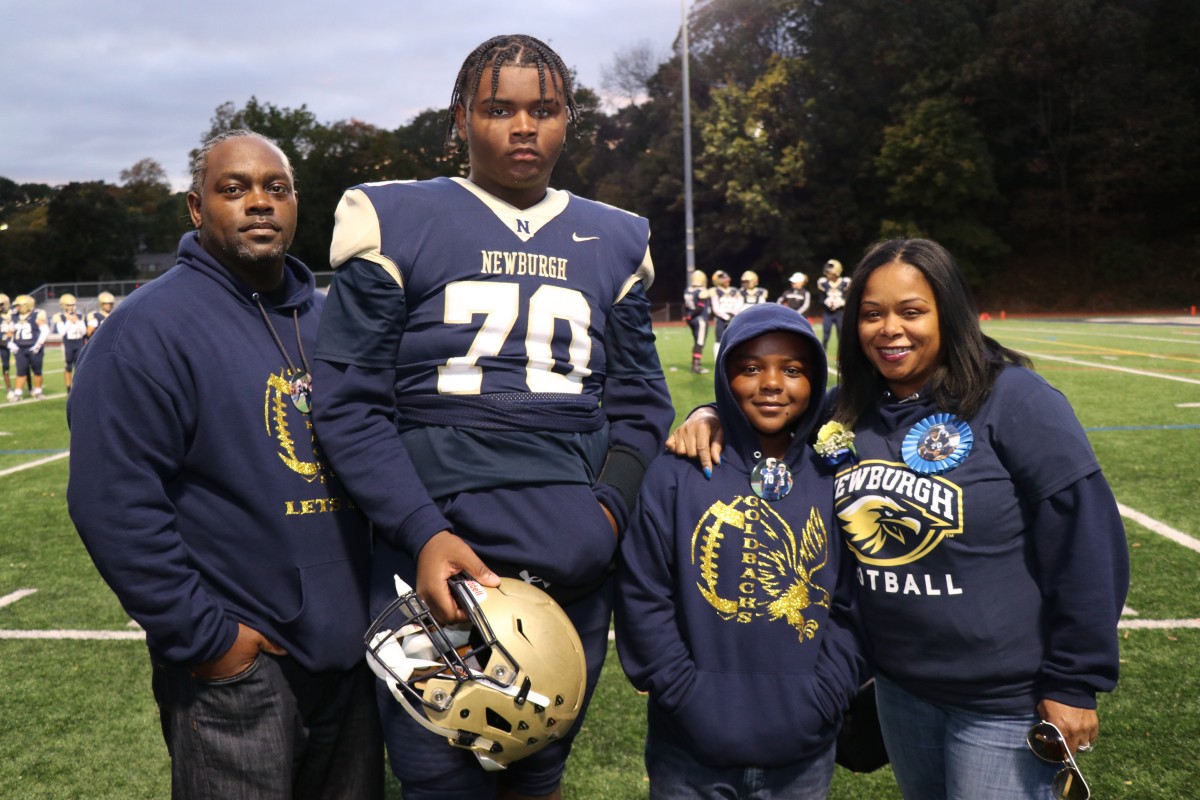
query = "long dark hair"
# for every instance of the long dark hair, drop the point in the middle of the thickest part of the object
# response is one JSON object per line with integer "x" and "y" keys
{"x": 970, "y": 360}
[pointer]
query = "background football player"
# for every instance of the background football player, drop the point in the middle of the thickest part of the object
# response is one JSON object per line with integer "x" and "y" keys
{"x": 487, "y": 385}
{"x": 106, "y": 301}
{"x": 797, "y": 298}
{"x": 696, "y": 311}
{"x": 5, "y": 338}
{"x": 68, "y": 324}
{"x": 833, "y": 288}
{"x": 29, "y": 332}
{"x": 727, "y": 301}
{"x": 752, "y": 293}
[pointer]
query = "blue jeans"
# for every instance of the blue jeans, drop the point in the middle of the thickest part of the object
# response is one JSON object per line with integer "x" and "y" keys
{"x": 274, "y": 732}
{"x": 940, "y": 752}
{"x": 676, "y": 775}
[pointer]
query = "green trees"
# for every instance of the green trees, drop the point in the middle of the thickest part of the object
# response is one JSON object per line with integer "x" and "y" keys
{"x": 1048, "y": 143}
{"x": 89, "y": 234}
{"x": 157, "y": 215}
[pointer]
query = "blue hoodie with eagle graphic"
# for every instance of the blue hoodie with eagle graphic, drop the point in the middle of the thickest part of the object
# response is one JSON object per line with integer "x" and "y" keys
{"x": 735, "y": 612}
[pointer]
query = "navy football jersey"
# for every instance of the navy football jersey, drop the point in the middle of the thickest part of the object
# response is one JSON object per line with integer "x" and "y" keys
{"x": 70, "y": 330}
{"x": 501, "y": 320}
{"x": 752, "y": 297}
{"x": 94, "y": 320}
{"x": 27, "y": 329}
{"x": 728, "y": 301}
{"x": 526, "y": 313}
{"x": 695, "y": 303}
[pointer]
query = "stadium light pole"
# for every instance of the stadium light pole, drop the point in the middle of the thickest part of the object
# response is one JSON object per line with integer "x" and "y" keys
{"x": 689, "y": 225}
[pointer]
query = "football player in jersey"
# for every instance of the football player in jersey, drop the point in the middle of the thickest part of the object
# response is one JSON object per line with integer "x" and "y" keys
{"x": 727, "y": 301}
{"x": 797, "y": 298}
{"x": 752, "y": 293}
{"x": 5, "y": 338}
{"x": 486, "y": 383}
{"x": 696, "y": 302}
{"x": 833, "y": 287}
{"x": 68, "y": 324}
{"x": 29, "y": 332}
{"x": 105, "y": 300}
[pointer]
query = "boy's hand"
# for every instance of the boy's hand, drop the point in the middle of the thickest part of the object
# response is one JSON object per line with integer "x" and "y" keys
{"x": 442, "y": 557}
{"x": 699, "y": 438}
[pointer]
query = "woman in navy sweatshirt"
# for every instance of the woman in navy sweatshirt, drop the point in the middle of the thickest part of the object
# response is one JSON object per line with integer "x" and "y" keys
{"x": 733, "y": 592}
{"x": 992, "y": 561}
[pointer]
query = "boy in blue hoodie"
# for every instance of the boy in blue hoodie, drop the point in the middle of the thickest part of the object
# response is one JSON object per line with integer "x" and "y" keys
{"x": 733, "y": 596}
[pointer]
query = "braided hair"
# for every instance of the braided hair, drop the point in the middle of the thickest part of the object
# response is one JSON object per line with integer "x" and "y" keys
{"x": 200, "y": 157}
{"x": 512, "y": 50}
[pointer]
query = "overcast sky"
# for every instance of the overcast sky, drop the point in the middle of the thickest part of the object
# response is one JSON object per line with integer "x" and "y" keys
{"x": 90, "y": 87}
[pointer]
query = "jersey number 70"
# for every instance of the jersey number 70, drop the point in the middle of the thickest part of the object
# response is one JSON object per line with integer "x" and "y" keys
{"x": 500, "y": 303}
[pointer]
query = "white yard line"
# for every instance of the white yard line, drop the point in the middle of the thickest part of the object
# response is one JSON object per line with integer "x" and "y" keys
{"x": 1064, "y": 331}
{"x": 75, "y": 635}
{"x": 13, "y": 597}
{"x": 1141, "y": 372}
{"x": 28, "y": 400}
{"x": 1162, "y": 529}
{"x": 32, "y": 464}
{"x": 1158, "y": 624}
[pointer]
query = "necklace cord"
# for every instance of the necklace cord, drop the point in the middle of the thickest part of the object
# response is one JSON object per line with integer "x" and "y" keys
{"x": 278, "y": 342}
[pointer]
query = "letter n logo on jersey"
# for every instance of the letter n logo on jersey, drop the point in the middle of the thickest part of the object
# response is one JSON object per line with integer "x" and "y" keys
{"x": 523, "y": 226}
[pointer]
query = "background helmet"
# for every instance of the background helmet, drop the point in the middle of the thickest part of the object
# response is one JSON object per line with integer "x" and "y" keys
{"x": 106, "y": 299}
{"x": 834, "y": 267}
{"x": 503, "y": 686}
{"x": 750, "y": 277}
{"x": 798, "y": 277}
{"x": 24, "y": 303}
{"x": 699, "y": 279}
{"x": 67, "y": 302}
{"x": 721, "y": 276}
{"x": 4, "y": 302}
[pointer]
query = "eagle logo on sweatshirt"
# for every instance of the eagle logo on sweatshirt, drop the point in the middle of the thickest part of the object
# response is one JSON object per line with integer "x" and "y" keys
{"x": 891, "y": 515}
{"x": 754, "y": 567}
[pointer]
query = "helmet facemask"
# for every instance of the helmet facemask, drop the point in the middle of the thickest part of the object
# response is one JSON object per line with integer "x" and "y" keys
{"x": 503, "y": 685}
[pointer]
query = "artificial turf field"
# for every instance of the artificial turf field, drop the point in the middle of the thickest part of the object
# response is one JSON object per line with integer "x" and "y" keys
{"x": 77, "y": 719}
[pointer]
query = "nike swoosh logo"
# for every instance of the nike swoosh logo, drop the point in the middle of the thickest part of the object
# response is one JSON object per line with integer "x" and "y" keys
{"x": 577, "y": 238}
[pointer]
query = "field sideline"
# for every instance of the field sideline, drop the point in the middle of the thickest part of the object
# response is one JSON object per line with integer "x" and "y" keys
{"x": 79, "y": 721}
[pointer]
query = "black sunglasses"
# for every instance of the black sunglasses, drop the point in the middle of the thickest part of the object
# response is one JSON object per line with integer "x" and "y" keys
{"x": 1047, "y": 743}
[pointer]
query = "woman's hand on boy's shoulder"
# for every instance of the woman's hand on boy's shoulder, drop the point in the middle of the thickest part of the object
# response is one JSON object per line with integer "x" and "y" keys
{"x": 699, "y": 438}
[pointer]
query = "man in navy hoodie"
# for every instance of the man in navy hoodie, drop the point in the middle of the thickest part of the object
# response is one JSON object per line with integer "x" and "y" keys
{"x": 198, "y": 488}
{"x": 733, "y": 592}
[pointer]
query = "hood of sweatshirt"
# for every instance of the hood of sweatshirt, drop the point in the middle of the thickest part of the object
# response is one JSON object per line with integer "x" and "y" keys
{"x": 297, "y": 288}
{"x": 741, "y": 439}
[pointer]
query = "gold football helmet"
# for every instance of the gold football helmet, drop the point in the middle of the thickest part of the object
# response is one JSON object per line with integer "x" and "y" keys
{"x": 24, "y": 303}
{"x": 503, "y": 685}
{"x": 67, "y": 303}
{"x": 106, "y": 301}
{"x": 4, "y": 302}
